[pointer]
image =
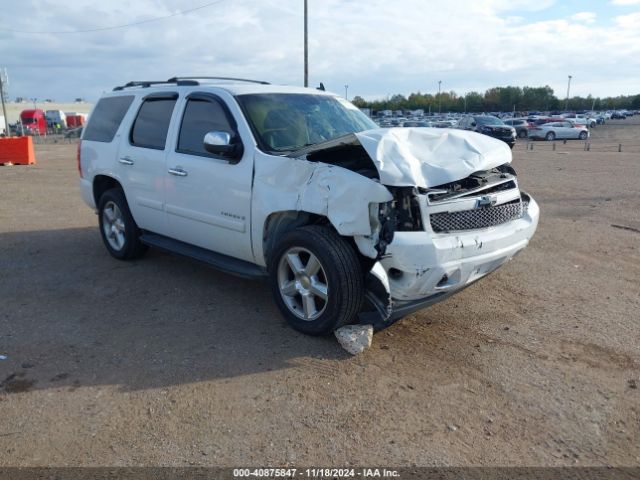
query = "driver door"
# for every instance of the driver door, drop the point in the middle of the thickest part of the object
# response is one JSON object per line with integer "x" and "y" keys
{"x": 208, "y": 196}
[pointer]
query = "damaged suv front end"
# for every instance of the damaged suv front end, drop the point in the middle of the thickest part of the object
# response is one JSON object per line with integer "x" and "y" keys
{"x": 456, "y": 214}
{"x": 429, "y": 211}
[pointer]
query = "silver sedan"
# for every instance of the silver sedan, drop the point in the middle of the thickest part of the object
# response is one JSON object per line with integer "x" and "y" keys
{"x": 559, "y": 130}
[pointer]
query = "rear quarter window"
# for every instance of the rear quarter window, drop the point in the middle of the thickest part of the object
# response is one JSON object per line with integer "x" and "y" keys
{"x": 106, "y": 118}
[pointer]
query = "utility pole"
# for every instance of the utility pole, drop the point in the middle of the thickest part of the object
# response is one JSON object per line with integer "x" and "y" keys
{"x": 4, "y": 108}
{"x": 439, "y": 98}
{"x": 566, "y": 103}
{"x": 306, "y": 47}
{"x": 346, "y": 88}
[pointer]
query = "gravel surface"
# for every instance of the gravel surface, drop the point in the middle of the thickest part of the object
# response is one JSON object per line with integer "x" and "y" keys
{"x": 167, "y": 362}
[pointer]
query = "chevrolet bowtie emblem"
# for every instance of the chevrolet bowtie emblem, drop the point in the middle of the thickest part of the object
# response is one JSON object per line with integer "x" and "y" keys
{"x": 487, "y": 201}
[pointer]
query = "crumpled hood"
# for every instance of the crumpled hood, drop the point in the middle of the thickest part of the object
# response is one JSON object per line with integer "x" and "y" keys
{"x": 428, "y": 157}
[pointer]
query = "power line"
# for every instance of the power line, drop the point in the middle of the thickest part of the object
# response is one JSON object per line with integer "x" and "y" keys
{"x": 113, "y": 27}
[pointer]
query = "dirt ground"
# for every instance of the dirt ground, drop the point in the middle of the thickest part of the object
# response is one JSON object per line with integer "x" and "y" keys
{"x": 166, "y": 362}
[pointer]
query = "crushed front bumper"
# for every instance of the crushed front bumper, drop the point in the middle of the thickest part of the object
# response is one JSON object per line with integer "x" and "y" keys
{"x": 423, "y": 268}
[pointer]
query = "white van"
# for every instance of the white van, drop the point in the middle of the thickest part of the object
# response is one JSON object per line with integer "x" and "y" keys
{"x": 56, "y": 116}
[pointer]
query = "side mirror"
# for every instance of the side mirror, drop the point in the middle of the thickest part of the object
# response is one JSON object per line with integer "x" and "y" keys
{"x": 219, "y": 143}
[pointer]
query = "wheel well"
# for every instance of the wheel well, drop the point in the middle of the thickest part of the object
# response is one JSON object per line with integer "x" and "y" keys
{"x": 279, "y": 223}
{"x": 102, "y": 183}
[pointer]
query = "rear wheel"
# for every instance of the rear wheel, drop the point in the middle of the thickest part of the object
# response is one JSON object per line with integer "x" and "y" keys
{"x": 316, "y": 280}
{"x": 119, "y": 231}
{"x": 583, "y": 135}
{"x": 522, "y": 134}
{"x": 550, "y": 136}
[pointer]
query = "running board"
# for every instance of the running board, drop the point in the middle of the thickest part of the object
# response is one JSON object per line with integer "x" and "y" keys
{"x": 219, "y": 261}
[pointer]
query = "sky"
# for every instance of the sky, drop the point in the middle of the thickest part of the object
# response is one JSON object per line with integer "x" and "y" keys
{"x": 376, "y": 47}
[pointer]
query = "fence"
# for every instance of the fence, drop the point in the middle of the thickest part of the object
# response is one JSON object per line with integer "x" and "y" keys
{"x": 53, "y": 139}
{"x": 595, "y": 145}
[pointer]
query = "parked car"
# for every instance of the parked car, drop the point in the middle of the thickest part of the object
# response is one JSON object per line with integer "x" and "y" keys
{"x": 618, "y": 115}
{"x": 443, "y": 124}
{"x": 416, "y": 123}
{"x": 559, "y": 130}
{"x": 590, "y": 122}
{"x": 521, "y": 125}
{"x": 543, "y": 120}
{"x": 489, "y": 125}
{"x": 584, "y": 121}
{"x": 349, "y": 222}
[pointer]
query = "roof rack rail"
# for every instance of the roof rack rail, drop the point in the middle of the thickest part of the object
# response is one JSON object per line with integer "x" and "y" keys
{"x": 233, "y": 79}
{"x": 148, "y": 83}
{"x": 183, "y": 82}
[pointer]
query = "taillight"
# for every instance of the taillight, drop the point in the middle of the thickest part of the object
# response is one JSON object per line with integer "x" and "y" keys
{"x": 78, "y": 157}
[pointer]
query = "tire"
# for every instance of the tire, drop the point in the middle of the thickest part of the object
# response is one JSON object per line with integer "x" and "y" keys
{"x": 593, "y": 125}
{"x": 336, "y": 273}
{"x": 551, "y": 136}
{"x": 583, "y": 136}
{"x": 118, "y": 230}
{"x": 522, "y": 134}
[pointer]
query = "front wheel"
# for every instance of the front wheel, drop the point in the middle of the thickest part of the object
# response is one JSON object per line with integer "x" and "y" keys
{"x": 550, "y": 136}
{"x": 522, "y": 134}
{"x": 583, "y": 135}
{"x": 316, "y": 280}
{"x": 119, "y": 231}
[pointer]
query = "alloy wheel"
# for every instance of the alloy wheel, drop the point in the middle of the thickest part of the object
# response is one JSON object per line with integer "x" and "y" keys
{"x": 113, "y": 225}
{"x": 303, "y": 283}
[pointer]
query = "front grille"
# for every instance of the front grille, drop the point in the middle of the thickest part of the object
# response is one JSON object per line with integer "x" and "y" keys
{"x": 502, "y": 133}
{"x": 478, "y": 218}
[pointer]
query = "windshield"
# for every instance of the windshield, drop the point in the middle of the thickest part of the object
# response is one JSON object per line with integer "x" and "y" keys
{"x": 284, "y": 122}
{"x": 489, "y": 121}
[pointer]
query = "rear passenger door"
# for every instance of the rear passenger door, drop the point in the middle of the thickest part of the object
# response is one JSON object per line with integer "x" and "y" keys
{"x": 208, "y": 197}
{"x": 142, "y": 159}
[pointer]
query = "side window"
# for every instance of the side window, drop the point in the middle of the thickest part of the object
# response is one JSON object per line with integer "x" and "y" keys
{"x": 152, "y": 123}
{"x": 106, "y": 118}
{"x": 202, "y": 116}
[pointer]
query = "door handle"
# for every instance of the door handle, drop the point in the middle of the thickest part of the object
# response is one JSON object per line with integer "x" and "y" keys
{"x": 178, "y": 171}
{"x": 126, "y": 161}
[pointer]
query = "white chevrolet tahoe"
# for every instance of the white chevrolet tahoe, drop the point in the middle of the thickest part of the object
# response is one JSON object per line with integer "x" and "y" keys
{"x": 349, "y": 222}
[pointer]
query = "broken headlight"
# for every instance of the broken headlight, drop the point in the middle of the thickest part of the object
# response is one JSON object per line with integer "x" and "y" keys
{"x": 406, "y": 209}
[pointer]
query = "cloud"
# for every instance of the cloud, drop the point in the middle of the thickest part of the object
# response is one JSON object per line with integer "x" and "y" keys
{"x": 586, "y": 17}
{"x": 631, "y": 21}
{"x": 383, "y": 48}
{"x": 625, "y": 2}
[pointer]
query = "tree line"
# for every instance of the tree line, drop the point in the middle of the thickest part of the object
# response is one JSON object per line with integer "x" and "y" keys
{"x": 498, "y": 99}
